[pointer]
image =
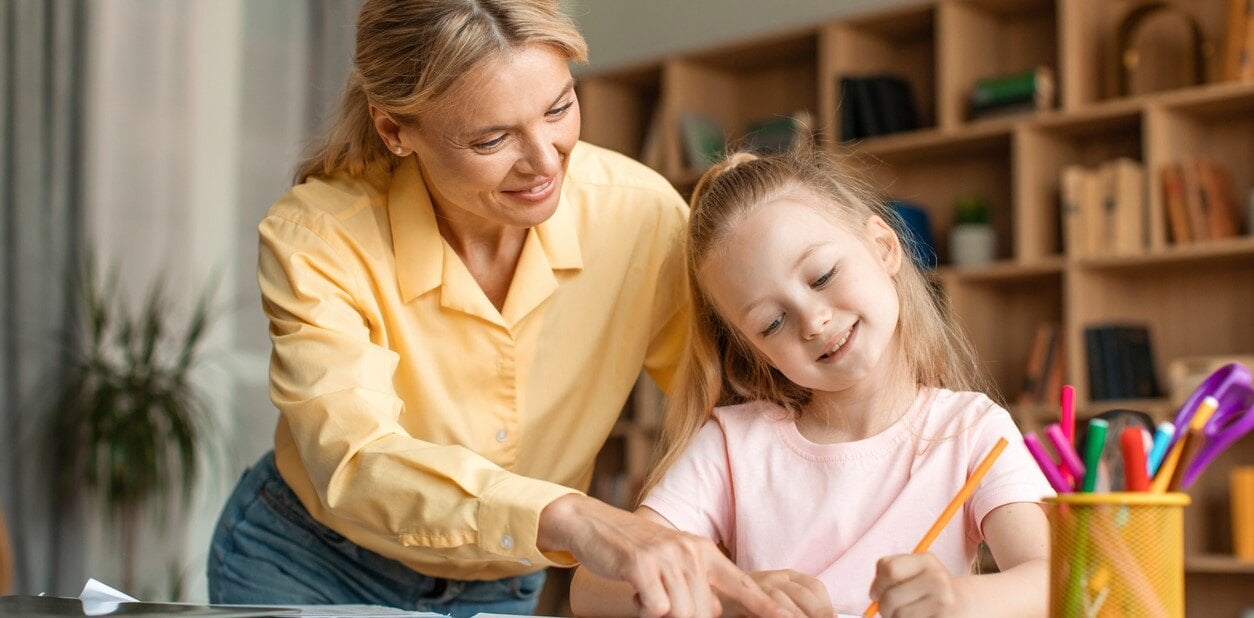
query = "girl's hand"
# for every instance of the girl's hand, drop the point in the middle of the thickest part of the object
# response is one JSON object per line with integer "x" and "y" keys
{"x": 673, "y": 573}
{"x": 915, "y": 585}
{"x": 798, "y": 592}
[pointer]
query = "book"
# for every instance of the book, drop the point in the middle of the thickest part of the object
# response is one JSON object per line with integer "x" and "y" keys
{"x": 1033, "y": 89}
{"x": 1042, "y": 380}
{"x": 1195, "y": 201}
{"x": 1094, "y": 359}
{"x": 875, "y": 105}
{"x": 1221, "y": 205}
{"x": 1174, "y": 202}
{"x": 1120, "y": 362}
{"x": 1093, "y": 213}
{"x": 1129, "y": 217}
{"x": 703, "y": 140}
{"x": 1071, "y": 191}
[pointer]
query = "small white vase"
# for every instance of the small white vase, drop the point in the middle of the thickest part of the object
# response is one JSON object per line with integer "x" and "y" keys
{"x": 972, "y": 244}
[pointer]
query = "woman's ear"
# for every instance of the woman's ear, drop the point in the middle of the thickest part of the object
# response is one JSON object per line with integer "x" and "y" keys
{"x": 886, "y": 243}
{"x": 389, "y": 130}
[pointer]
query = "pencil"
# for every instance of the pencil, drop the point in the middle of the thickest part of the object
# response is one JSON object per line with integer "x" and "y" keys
{"x": 967, "y": 489}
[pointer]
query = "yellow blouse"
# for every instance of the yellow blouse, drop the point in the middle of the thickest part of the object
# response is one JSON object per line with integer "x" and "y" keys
{"x": 416, "y": 419}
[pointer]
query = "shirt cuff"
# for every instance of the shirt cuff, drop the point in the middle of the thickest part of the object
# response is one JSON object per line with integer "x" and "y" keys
{"x": 509, "y": 520}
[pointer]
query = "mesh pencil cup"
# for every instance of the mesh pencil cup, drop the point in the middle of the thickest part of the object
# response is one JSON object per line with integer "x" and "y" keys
{"x": 1117, "y": 554}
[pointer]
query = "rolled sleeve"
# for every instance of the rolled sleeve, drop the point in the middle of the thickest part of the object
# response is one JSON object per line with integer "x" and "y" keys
{"x": 509, "y": 519}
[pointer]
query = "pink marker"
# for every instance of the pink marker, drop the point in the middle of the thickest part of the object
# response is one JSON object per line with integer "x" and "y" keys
{"x": 1068, "y": 420}
{"x": 1066, "y": 453}
{"x": 1052, "y": 474}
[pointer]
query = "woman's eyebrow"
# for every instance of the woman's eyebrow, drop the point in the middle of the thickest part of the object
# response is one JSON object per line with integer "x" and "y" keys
{"x": 570, "y": 85}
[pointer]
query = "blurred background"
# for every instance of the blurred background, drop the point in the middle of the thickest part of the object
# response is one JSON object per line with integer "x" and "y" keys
{"x": 148, "y": 137}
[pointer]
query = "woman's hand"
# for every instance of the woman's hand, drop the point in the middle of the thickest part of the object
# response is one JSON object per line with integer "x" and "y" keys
{"x": 915, "y": 585}
{"x": 673, "y": 573}
{"x": 798, "y": 592}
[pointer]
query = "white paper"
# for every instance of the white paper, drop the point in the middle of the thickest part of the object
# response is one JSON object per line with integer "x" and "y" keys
{"x": 100, "y": 599}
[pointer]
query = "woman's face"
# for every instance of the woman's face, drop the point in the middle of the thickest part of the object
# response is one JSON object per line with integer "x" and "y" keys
{"x": 497, "y": 146}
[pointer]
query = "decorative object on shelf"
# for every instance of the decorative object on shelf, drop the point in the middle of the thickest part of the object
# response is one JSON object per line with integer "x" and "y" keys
{"x": 1025, "y": 91}
{"x": 875, "y": 105}
{"x": 1131, "y": 69}
{"x": 128, "y": 427}
{"x": 972, "y": 241}
{"x": 779, "y": 133}
{"x": 703, "y": 139}
{"x": 1120, "y": 362}
{"x": 917, "y": 232}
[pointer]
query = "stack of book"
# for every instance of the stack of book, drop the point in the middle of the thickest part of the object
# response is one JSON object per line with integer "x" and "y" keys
{"x": 1120, "y": 362}
{"x": 875, "y": 105}
{"x": 1042, "y": 382}
{"x": 1104, "y": 209}
{"x": 1197, "y": 194}
{"x": 1016, "y": 93}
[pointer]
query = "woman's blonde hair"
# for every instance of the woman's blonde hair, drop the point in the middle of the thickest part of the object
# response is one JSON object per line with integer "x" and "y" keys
{"x": 720, "y": 368}
{"x": 410, "y": 52}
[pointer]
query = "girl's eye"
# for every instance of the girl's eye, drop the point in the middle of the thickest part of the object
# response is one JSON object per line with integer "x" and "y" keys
{"x": 774, "y": 326}
{"x": 557, "y": 112}
{"x": 489, "y": 145}
{"x": 822, "y": 281}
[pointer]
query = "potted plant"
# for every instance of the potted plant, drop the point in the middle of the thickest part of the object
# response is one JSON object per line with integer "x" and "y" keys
{"x": 128, "y": 426}
{"x": 972, "y": 241}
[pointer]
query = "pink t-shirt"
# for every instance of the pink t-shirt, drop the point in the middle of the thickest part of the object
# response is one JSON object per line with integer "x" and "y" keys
{"x": 750, "y": 481}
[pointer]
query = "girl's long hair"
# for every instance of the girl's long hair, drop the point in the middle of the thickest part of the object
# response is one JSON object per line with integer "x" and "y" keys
{"x": 720, "y": 368}
{"x": 410, "y": 52}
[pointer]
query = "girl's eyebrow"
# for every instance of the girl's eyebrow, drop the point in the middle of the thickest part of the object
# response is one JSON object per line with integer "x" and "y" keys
{"x": 570, "y": 85}
{"x": 795, "y": 265}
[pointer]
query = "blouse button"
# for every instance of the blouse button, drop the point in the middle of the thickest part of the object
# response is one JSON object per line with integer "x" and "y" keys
{"x": 507, "y": 542}
{"x": 501, "y": 434}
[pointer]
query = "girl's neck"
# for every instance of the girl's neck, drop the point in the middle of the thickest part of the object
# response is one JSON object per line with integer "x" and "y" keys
{"x": 863, "y": 410}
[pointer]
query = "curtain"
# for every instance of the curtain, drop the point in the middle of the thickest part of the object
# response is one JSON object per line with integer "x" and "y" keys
{"x": 41, "y": 72}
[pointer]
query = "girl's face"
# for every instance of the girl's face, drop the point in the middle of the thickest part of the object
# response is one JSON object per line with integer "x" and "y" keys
{"x": 498, "y": 147}
{"x": 814, "y": 299}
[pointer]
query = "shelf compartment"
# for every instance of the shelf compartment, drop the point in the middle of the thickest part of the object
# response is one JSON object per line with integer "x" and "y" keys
{"x": 619, "y": 110}
{"x": 933, "y": 176}
{"x": 979, "y": 39}
{"x": 900, "y": 41}
{"x": 1216, "y": 123}
{"x": 1001, "y": 314}
{"x": 1218, "y": 563}
{"x": 737, "y": 86}
{"x": 1046, "y": 146}
{"x": 1088, "y": 30}
{"x": 1190, "y": 310}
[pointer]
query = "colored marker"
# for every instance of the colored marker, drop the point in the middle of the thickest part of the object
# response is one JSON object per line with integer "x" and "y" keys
{"x": 1052, "y": 474}
{"x": 1066, "y": 453}
{"x": 1067, "y": 421}
{"x": 1093, "y": 452}
{"x": 1163, "y": 479}
{"x": 1162, "y": 439}
{"x": 1136, "y": 478}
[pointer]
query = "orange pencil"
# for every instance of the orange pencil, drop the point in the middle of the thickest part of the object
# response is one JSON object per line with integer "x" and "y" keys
{"x": 948, "y": 513}
{"x": 1166, "y": 471}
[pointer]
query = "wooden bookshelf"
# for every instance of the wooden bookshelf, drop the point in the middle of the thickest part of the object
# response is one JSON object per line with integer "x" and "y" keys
{"x": 1195, "y": 298}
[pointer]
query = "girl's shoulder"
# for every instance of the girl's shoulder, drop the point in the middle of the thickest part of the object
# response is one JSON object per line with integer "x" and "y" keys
{"x": 959, "y": 410}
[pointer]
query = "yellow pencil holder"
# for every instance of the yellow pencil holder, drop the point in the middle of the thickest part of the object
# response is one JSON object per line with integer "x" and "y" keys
{"x": 1117, "y": 554}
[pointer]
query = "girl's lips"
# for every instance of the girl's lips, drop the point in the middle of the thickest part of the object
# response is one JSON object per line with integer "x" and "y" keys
{"x": 830, "y": 356}
{"x": 535, "y": 193}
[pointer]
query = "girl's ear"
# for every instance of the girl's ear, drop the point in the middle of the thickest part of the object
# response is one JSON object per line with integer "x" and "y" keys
{"x": 886, "y": 243}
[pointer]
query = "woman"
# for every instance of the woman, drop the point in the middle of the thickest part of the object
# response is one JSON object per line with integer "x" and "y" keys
{"x": 460, "y": 297}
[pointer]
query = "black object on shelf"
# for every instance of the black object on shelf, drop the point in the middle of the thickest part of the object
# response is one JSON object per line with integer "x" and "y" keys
{"x": 1120, "y": 362}
{"x": 875, "y": 105}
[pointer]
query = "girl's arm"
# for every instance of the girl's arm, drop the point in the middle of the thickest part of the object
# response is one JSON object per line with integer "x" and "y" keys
{"x": 1017, "y": 534}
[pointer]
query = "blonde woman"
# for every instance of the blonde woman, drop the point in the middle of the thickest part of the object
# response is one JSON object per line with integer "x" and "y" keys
{"x": 460, "y": 297}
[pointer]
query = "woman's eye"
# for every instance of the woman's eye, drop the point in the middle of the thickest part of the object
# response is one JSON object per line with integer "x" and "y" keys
{"x": 559, "y": 111}
{"x": 490, "y": 144}
{"x": 822, "y": 281}
{"x": 774, "y": 326}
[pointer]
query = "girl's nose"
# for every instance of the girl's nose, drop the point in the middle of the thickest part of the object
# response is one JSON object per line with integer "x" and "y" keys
{"x": 817, "y": 322}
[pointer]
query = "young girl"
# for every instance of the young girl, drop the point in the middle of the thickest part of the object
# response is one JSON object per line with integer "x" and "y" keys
{"x": 827, "y": 412}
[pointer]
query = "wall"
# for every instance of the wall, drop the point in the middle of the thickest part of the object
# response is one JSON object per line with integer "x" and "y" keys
{"x": 625, "y": 32}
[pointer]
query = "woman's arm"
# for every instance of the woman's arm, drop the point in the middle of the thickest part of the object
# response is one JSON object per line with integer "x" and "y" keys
{"x": 1017, "y": 534}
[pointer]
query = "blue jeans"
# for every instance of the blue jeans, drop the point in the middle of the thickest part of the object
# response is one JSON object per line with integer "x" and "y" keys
{"x": 267, "y": 549}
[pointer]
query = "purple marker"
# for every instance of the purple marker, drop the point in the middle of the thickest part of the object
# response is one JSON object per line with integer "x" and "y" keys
{"x": 1052, "y": 474}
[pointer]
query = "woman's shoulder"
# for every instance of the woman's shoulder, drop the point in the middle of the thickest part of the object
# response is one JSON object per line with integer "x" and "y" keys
{"x": 594, "y": 166}
{"x": 329, "y": 205}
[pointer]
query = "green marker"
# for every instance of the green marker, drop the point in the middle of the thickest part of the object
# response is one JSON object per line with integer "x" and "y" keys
{"x": 1093, "y": 452}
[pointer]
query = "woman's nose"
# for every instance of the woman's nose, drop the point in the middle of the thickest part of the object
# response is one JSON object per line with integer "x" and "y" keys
{"x": 540, "y": 158}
